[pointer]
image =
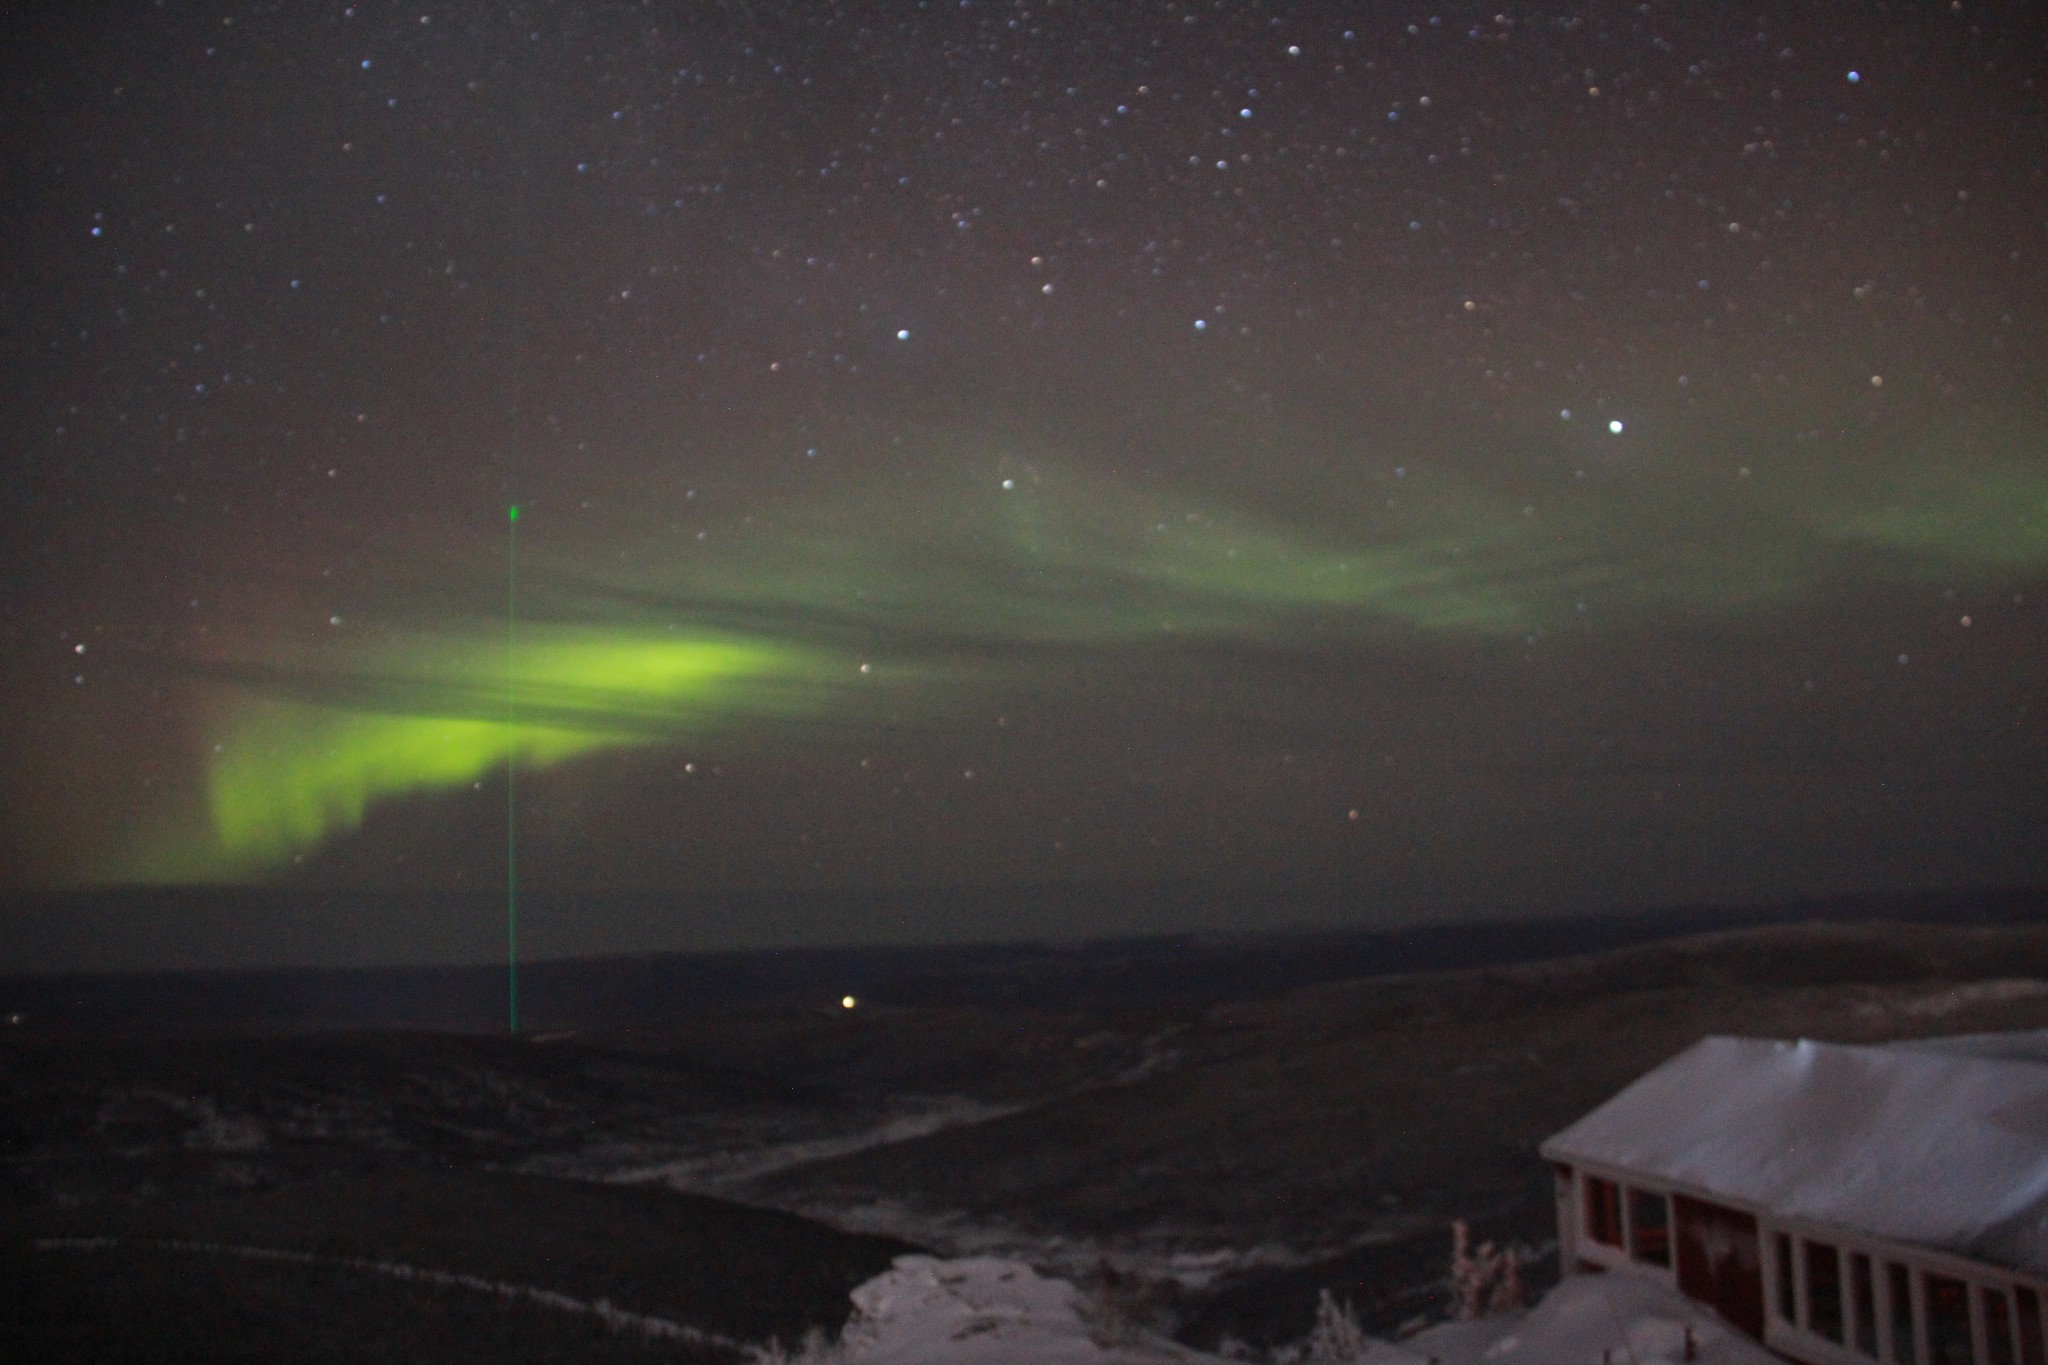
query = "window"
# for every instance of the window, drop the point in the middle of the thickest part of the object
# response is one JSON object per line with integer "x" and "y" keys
{"x": 1786, "y": 1305}
{"x": 2027, "y": 1304}
{"x": 1997, "y": 1326}
{"x": 1948, "y": 1322}
{"x": 1905, "y": 1340}
{"x": 1862, "y": 1306}
{"x": 1649, "y": 1227}
{"x": 1603, "y": 1211}
{"x": 1823, "y": 1290}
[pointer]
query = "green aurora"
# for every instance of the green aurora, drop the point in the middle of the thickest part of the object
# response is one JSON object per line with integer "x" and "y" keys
{"x": 870, "y": 609}
{"x": 306, "y": 755}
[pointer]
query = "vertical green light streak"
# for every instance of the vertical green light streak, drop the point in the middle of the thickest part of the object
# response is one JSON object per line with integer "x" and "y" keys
{"x": 511, "y": 769}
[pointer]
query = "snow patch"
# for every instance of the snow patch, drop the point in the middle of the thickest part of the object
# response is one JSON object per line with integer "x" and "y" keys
{"x": 985, "y": 1310}
{"x": 727, "y": 1171}
{"x": 1159, "y": 1255}
{"x": 1588, "y": 1317}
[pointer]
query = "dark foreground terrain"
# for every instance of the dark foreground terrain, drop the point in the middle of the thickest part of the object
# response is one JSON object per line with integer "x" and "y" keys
{"x": 1213, "y": 1161}
{"x": 173, "y": 1275}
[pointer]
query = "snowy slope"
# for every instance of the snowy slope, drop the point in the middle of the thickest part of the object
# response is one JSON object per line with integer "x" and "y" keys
{"x": 983, "y": 1310}
{"x": 988, "y": 1311}
{"x": 1585, "y": 1320}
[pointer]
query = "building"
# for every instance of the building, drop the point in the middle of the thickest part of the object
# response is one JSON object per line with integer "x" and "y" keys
{"x": 1841, "y": 1204}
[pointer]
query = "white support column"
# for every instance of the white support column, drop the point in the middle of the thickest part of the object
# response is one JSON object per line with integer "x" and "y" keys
{"x": 1625, "y": 1194}
{"x": 1570, "y": 1206}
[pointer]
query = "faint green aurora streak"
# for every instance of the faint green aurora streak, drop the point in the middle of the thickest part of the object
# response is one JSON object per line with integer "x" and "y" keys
{"x": 831, "y": 613}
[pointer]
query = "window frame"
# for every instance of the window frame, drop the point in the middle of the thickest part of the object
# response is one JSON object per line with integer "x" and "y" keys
{"x": 1994, "y": 1303}
{"x": 2030, "y": 1324}
{"x": 1609, "y": 1193}
{"x": 1630, "y": 1195}
{"x": 1786, "y": 1246}
{"x": 1817, "y": 1254}
{"x": 1973, "y": 1332}
{"x": 1898, "y": 1275}
{"x": 1860, "y": 1314}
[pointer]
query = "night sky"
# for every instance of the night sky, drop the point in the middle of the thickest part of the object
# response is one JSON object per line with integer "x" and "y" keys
{"x": 1503, "y": 460}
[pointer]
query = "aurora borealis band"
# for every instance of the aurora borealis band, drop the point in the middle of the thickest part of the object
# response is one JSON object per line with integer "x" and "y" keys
{"x": 1495, "y": 461}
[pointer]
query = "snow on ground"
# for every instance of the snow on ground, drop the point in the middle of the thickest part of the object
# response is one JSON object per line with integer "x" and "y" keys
{"x": 983, "y": 1310}
{"x": 1585, "y": 1320}
{"x": 723, "y": 1172}
{"x": 1162, "y": 1253}
{"x": 986, "y": 1310}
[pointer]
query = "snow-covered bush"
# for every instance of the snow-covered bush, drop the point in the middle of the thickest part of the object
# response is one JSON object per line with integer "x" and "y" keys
{"x": 1336, "y": 1339}
{"x": 815, "y": 1349}
{"x": 1483, "y": 1281}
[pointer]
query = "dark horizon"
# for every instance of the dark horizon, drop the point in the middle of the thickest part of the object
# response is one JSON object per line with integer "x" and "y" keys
{"x": 223, "y": 935}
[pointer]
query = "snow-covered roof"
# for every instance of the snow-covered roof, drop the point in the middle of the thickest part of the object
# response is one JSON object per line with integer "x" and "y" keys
{"x": 1921, "y": 1146}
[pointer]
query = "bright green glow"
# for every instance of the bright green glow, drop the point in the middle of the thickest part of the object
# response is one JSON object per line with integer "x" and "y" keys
{"x": 296, "y": 774}
{"x": 292, "y": 773}
{"x": 986, "y": 573}
{"x": 511, "y": 770}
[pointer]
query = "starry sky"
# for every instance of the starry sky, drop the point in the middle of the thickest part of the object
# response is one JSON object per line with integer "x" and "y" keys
{"x": 1497, "y": 460}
